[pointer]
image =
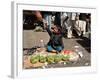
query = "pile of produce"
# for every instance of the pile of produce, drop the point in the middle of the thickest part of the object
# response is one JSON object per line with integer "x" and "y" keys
{"x": 49, "y": 59}
{"x": 65, "y": 56}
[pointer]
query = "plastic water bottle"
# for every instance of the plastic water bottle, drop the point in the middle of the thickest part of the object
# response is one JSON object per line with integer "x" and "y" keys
{"x": 42, "y": 43}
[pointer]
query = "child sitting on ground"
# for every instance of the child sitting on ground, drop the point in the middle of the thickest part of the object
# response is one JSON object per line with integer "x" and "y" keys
{"x": 55, "y": 43}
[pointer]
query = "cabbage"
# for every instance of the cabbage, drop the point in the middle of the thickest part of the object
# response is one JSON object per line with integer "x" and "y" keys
{"x": 58, "y": 58}
{"x": 34, "y": 59}
{"x": 50, "y": 58}
{"x": 65, "y": 57}
{"x": 42, "y": 59}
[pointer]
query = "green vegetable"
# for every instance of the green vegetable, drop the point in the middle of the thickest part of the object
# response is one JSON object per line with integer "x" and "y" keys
{"x": 42, "y": 59}
{"x": 34, "y": 59}
{"x": 58, "y": 58}
{"x": 65, "y": 57}
{"x": 50, "y": 59}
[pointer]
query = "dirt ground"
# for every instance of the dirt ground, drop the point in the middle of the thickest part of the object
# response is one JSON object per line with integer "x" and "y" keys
{"x": 31, "y": 38}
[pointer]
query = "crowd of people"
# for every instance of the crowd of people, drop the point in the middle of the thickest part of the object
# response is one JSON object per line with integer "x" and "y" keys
{"x": 68, "y": 21}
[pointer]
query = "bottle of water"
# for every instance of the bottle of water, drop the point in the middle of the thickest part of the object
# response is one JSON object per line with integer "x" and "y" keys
{"x": 42, "y": 44}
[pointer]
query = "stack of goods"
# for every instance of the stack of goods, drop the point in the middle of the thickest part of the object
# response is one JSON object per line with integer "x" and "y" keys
{"x": 65, "y": 56}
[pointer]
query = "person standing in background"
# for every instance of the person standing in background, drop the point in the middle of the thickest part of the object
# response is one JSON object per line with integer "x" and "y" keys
{"x": 80, "y": 26}
{"x": 67, "y": 23}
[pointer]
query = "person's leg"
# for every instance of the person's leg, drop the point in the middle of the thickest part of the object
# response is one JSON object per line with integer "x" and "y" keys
{"x": 69, "y": 34}
{"x": 59, "y": 48}
{"x": 50, "y": 49}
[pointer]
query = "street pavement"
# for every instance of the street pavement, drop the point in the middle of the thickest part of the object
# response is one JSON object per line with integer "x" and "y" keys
{"x": 31, "y": 39}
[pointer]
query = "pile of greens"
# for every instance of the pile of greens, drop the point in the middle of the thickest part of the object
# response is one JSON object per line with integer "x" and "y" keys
{"x": 49, "y": 58}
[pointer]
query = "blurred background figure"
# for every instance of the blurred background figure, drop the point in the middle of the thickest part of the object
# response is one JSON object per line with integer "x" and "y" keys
{"x": 79, "y": 26}
{"x": 38, "y": 15}
{"x": 72, "y": 23}
{"x": 67, "y": 24}
{"x": 47, "y": 17}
